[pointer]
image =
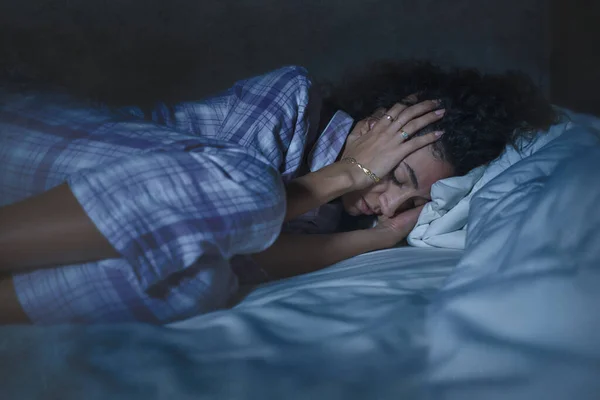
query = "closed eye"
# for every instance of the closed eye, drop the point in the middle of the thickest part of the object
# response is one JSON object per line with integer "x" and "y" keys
{"x": 395, "y": 180}
{"x": 410, "y": 203}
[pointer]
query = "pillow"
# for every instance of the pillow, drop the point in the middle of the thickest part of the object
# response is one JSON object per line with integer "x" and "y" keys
{"x": 520, "y": 311}
{"x": 443, "y": 221}
{"x": 500, "y": 209}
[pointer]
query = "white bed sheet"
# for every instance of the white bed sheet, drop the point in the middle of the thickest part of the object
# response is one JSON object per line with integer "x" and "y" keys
{"x": 352, "y": 331}
{"x": 374, "y": 291}
{"x": 519, "y": 316}
{"x": 443, "y": 221}
{"x": 516, "y": 315}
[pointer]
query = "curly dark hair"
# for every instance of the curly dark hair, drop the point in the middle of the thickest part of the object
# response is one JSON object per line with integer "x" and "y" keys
{"x": 484, "y": 112}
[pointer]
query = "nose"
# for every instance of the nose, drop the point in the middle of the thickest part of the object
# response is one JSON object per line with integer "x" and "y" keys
{"x": 391, "y": 203}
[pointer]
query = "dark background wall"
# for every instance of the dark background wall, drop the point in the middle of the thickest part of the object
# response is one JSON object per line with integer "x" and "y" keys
{"x": 139, "y": 50}
{"x": 133, "y": 49}
{"x": 575, "y": 58}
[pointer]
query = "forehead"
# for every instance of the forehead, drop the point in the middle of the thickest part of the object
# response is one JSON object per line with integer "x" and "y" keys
{"x": 428, "y": 168}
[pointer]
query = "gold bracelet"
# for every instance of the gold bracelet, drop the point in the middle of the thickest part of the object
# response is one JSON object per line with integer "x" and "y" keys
{"x": 350, "y": 160}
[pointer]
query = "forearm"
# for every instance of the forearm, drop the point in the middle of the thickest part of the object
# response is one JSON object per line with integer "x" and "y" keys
{"x": 11, "y": 311}
{"x": 46, "y": 230}
{"x": 317, "y": 188}
{"x": 294, "y": 254}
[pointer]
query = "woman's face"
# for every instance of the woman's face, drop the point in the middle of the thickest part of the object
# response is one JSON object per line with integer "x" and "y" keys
{"x": 407, "y": 186}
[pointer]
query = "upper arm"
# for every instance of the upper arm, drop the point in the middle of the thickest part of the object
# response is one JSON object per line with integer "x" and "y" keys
{"x": 276, "y": 114}
{"x": 249, "y": 101}
{"x": 167, "y": 211}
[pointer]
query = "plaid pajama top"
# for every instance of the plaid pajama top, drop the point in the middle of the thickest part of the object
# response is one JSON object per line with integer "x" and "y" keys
{"x": 178, "y": 193}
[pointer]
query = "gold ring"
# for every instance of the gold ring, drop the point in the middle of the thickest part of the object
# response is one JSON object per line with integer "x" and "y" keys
{"x": 392, "y": 119}
{"x": 404, "y": 135}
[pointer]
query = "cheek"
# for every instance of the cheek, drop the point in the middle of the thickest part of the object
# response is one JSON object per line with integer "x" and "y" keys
{"x": 349, "y": 200}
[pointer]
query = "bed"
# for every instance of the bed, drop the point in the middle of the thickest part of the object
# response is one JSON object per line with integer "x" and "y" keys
{"x": 348, "y": 324}
{"x": 510, "y": 313}
{"x": 513, "y": 314}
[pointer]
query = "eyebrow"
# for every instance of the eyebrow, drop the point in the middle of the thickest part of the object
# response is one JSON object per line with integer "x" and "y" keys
{"x": 412, "y": 175}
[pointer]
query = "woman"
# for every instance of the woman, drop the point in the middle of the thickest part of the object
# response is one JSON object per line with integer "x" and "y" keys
{"x": 118, "y": 215}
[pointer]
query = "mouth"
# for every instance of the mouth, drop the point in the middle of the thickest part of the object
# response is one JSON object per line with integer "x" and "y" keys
{"x": 364, "y": 207}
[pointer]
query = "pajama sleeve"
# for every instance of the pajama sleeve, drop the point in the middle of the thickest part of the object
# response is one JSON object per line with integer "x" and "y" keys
{"x": 218, "y": 189}
{"x": 164, "y": 211}
{"x": 276, "y": 113}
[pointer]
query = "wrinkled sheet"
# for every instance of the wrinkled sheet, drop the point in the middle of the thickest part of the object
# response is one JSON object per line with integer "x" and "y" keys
{"x": 443, "y": 221}
{"x": 512, "y": 316}
{"x": 346, "y": 332}
{"x": 519, "y": 317}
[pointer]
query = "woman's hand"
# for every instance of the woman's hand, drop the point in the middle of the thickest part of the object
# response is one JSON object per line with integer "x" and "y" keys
{"x": 380, "y": 151}
{"x": 395, "y": 229}
{"x": 386, "y": 143}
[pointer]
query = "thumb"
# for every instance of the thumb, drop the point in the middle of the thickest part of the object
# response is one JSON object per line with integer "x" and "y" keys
{"x": 407, "y": 220}
{"x": 410, "y": 216}
{"x": 403, "y": 222}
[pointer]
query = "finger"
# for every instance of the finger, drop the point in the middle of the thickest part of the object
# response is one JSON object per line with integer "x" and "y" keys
{"x": 375, "y": 117}
{"x": 379, "y": 112}
{"x": 371, "y": 121}
{"x": 411, "y": 99}
{"x": 397, "y": 109}
{"x": 421, "y": 122}
{"x": 418, "y": 142}
{"x": 407, "y": 220}
{"x": 390, "y": 116}
{"x": 412, "y": 112}
{"x": 411, "y": 217}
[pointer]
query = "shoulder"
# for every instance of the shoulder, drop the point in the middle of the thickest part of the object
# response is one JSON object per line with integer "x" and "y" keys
{"x": 292, "y": 78}
{"x": 289, "y": 87}
{"x": 291, "y": 73}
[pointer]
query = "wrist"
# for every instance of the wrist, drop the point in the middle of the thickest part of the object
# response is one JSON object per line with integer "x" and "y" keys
{"x": 339, "y": 178}
{"x": 362, "y": 176}
{"x": 355, "y": 176}
{"x": 317, "y": 188}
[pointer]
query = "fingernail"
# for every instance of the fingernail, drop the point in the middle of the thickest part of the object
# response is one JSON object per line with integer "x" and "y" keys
{"x": 439, "y": 133}
{"x": 437, "y": 101}
{"x": 440, "y": 112}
